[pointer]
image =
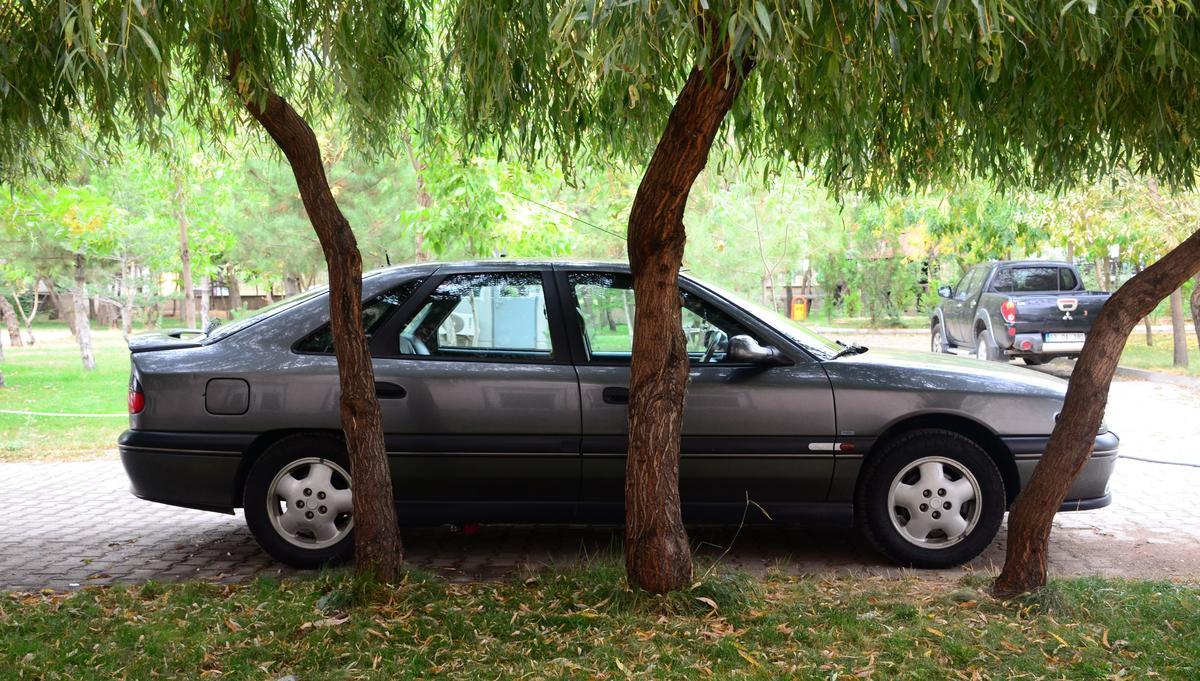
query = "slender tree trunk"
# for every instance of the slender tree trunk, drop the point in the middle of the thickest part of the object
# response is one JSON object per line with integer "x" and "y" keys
{"x": 1179, "y": 329}
{"x": 205, "y": 300}
{"x": 657, "y": 555}
{"x": 64, "y": 311}
{"x": 235, "y": 290}
{"x": 185, "y": 252}
{"x": 291, "y": 285}
{"x": 1195, "y": 305}
{"x": 1137, "y": 269}
{"x": 378, "y": 550}
{"x": 128, "y": 289}
{"x": 1074, "y": 434}
{"x": 424, "y": 199}
{"x": 11, "y": 321}
{"x": 28, "y": 317}
{"x": 83, "y": 326}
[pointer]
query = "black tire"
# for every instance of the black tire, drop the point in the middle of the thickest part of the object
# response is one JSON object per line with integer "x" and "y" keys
{"x": 1035, "y": 360}
{"x": 937, "y": 340}
{"x": 985, "y": 347}
{"x": 276, "y": 459}
{"x": 875, "y": 519}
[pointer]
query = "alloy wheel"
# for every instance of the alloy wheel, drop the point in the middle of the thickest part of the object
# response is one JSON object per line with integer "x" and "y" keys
{"x": 309, "y": 503}
{"x": 934, "y": 502}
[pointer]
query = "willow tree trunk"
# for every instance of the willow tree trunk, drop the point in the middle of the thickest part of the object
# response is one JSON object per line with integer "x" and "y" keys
{"x": 657, "y": 555}
{"x": 1074, "y": 434}
{"x": 235, "y": 291}
{"x": 1195, "y": 305}
{"x": 185, "y": 253}
{"x": 1178, "y": 329}
{"x": 11, "y": 321}
{"x": 83, "y": 326}
{"x": 377, "y": 546}
{"x": 128, "y": 291}
{"x": 205, "y": 300}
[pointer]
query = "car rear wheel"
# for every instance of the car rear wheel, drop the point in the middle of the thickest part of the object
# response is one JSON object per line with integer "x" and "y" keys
{"x": 985, "y": 348}
{"x": 1035, "y": 360}
{"x": 937, "y": 341}
{"x": 930, "y": 499}
{"x": 297, "y": 501}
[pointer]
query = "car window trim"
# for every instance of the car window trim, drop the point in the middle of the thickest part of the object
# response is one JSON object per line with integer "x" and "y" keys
{"x": 578, "y": 345}
{"x": 559, "y": 352}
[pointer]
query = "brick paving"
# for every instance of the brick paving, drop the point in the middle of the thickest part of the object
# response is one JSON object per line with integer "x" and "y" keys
{"x": 76, "y": 524}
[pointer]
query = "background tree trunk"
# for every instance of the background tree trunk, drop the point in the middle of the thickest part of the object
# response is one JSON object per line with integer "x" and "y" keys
{"x": 128, "y": 289}
{"x": 1075, "y": 432}
{"x": 185, "y": 252}
{"x": 205, "y": 299}
{"x": 1195, "y": 305}
{"x": 235, "y": 290}
{"x": 1179, "y": 329}
{"x": 28, "y": 317}
{"x": 657, "y": 555}
{"x": 62, "y": 310}
{"x": 291, "y": 285}
{"x": 83, "y": 326}
{"x": 11, "y": 321}
{"x": 377, "y": 546}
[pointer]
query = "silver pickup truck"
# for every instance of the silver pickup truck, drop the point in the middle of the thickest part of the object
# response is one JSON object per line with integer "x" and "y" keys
{"x": 1033, "y": 309}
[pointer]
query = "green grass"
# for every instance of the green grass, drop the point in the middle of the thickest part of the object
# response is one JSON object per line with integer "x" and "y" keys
{"x": 905, "y": 322}
{"x": 49, "y": 377}
{"x": 586, "y": 624}
{"x": 1161, "y": 356}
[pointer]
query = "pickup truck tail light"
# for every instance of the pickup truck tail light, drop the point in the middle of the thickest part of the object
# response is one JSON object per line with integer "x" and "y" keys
{"x": 137, "y": 399}
{"x": 1008, "y": 310}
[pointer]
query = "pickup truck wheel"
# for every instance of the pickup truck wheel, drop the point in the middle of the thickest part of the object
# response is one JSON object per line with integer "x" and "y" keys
{"x": 937, "y": 340}
{"x": 1035, "y": 360}
{"x": 931, "y": 499}
{"x": 985, "y": 348}
{"x": 297, "y": 501}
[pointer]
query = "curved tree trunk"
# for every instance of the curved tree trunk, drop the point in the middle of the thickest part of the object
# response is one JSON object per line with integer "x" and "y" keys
{"x": 377, "y": 546}
{"x": 657, "y": 555}
{"x": 83, "y": 325}
{"x": 1178, "y": 329}
{"x": 1074, "y": 435}
{"x": 11, "y": 321}
{"x": 1195, "y": 305}
{"x": 235, "y": 291}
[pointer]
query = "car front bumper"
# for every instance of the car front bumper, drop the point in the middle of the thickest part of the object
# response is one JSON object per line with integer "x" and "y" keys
{"x": 192, "y": 470}
{"x": 1090, "y": 489}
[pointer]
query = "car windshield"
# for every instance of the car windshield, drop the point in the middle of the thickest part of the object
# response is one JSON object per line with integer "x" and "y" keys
{"x": 226, "y": 330}
{"x": 818, "y": 345}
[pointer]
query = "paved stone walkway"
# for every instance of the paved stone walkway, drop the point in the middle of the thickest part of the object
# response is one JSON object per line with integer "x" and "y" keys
{"x": 73, "y": 524}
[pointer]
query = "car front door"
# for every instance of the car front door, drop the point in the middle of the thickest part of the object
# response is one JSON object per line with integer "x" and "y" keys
{"x": 960, "y": 308}
{"x": 751, "y": 434}
{"x": 480, "y": 401}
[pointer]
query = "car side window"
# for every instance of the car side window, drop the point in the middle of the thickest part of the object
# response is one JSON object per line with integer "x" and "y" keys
{"x": 969, "y": 285}
{"x": 1067, "y": 281}
{"x": 481, "y": 316}
{"x": 604, "y": 305}
{"x": 375, "y": 312}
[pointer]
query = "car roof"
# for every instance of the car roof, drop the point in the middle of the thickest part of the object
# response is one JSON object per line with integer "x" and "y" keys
{"x": 1033, "y": 263}
{"x": 491, "y": 264}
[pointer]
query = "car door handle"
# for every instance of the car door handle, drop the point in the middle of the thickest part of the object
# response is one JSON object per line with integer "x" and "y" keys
{"x": 389, "y": 391}
{"x": 616, "y": 395}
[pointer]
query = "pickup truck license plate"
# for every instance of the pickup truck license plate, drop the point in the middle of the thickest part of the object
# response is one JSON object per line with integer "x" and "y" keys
{"x": 1065, "y": 337}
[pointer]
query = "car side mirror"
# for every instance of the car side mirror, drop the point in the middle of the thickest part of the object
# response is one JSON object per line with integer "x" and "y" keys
{"x": 745, "y": 350}
{"x": 945, "y": 292}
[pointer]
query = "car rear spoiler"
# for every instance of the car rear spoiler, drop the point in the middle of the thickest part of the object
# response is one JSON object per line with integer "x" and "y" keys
{"x": 173, "y": 339}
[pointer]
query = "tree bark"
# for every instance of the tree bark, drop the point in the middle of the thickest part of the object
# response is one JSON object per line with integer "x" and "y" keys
{"x": 657, "y": 555}
{"x": 205, "y": 300}
{"x": 377, "y": 544}
{"x": 1178, "y": 329}
{"x": 1074, "y": 434}
{"x": 185, "y": 252}
{"x": 11, "y": 321}
{"x": 1195, "y": 305}
{"x": 128, "y": 289}
{"x": 83, "y": 326}
{"x": 61, "y": 309}
{"x": 235, "y": 290}
{"x": 28, "y": 317}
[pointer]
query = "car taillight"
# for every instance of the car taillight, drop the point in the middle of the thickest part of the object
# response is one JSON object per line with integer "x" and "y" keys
{"x": 1008, "y": 310}
{"x": 137, "y": 399}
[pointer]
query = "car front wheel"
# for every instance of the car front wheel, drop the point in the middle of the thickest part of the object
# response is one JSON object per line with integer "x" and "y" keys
{"x": 937, "y": 342}
{"x": 930, "y": 499}
{"x": 297, "y": 501}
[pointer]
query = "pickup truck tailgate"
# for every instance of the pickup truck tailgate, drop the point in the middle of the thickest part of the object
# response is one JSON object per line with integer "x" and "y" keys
{"x": 1057, "y": 312}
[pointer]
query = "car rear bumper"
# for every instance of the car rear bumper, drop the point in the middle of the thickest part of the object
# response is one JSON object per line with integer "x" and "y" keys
{"x": 1090, "y": 489}
{"x": 193, "y": 470}
{"x": 1038, "y": 346}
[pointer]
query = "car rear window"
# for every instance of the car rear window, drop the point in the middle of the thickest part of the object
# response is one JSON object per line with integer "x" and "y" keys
{"x": 1027, "y": 279}
{"x": 375, "y": 311}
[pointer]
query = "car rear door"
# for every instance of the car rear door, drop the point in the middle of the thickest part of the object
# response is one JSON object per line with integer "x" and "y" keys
{"x": 749, "y": 433}
{"x": 480, "y": 401}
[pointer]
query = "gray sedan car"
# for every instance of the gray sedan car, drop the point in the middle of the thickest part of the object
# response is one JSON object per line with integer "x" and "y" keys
{"x": 504, "y": 391}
